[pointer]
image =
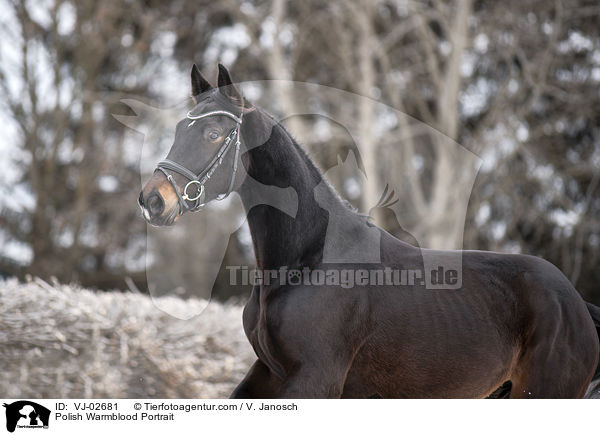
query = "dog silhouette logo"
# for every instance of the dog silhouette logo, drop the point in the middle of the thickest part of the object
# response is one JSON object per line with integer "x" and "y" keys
{"x": 26, "y": 414}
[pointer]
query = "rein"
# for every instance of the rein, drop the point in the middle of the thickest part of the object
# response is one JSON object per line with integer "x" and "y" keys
{"x": 200, "y": 179}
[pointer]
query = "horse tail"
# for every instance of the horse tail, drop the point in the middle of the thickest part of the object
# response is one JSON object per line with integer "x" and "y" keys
{"x": 595, "y": 313}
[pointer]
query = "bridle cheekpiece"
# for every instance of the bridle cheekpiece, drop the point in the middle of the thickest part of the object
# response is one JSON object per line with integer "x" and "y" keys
{"x": 198, "y": 180}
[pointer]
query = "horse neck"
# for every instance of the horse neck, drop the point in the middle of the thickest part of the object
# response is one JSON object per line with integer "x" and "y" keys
{"x": 278, "y": 239}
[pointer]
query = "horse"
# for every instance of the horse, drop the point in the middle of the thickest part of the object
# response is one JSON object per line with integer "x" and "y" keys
{"x": 516, "y": 326}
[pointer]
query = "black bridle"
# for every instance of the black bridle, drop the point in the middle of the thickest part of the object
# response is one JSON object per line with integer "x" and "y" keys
{"x": 200, "y": 179}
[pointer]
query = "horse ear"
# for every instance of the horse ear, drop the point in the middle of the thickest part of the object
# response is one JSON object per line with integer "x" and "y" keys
{"x": 199, "y": 83}
{"x": 226, "y": 86}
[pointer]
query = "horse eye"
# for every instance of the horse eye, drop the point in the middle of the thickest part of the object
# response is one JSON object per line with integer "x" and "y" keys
{"x": 213, "y": 135}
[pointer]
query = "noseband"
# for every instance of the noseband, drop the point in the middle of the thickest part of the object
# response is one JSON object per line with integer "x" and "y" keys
{"x": 200, "y": 179}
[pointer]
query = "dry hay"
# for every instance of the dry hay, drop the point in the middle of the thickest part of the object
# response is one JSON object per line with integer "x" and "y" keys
{"x": 62, "y": 341}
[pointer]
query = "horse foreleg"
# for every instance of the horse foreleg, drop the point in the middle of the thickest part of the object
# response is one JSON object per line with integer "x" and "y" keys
{"x": 259, "y": 383}
{"x": 314, "y": 382}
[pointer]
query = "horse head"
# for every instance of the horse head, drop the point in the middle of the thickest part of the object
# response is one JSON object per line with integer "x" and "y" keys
{"x": 202, "y": 164}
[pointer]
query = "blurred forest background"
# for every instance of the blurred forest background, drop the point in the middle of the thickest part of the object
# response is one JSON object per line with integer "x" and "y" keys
{"x": 517, "y": 83}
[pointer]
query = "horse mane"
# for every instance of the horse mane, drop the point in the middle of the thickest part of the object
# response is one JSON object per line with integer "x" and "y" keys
{"x": 304, "y": 154}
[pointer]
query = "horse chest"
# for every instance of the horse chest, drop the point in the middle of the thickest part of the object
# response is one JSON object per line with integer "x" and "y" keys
{"x": 255, "y": 323}
{"x": 256, "y": 329}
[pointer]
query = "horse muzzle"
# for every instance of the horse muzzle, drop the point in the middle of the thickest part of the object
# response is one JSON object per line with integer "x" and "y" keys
{"x": 158, "y": 202}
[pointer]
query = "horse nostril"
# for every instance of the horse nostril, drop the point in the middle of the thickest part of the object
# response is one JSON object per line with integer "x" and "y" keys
{"x": 141, "y": 199}
{"x": 155, "y": 204}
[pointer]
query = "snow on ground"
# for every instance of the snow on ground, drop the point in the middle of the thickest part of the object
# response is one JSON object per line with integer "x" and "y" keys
{"x": 64, "y": 341}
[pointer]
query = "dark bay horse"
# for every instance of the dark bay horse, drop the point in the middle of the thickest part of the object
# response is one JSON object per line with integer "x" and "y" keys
{"x": 516, "y": 319}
